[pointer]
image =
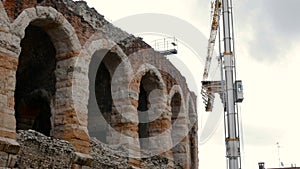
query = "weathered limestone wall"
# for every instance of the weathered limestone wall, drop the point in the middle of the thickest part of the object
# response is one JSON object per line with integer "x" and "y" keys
{"x": 82, "y": 41}
{"x": 40, "y": 151}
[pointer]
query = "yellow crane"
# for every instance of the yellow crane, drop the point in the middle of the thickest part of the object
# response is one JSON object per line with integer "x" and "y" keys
{"x": 209, "y": 88}
{"x": 212, "y": 38}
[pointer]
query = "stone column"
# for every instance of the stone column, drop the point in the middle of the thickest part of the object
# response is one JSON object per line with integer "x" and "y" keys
{"x": 181, "y": 141}
{"x": 124, "y": 119}
{"x": 70, "y": 112}
{"x": 8, "y": 66}
{"x": 70, "y": 117}
{"x": 160, "y": 130}
{"x": 193, "y": 130}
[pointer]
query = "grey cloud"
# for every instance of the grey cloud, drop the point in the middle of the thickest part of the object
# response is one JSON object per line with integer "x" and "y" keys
{"x": 267, "y": 46}
{"x": 274, "y": 24}
{"x": 284, "y": 16}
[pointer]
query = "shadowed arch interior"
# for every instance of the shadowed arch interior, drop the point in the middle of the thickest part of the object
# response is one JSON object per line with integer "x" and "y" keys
{"x": 35, "y": 81}
{"x": 100, "y": 106}
{"x": 176, "y": 133}
{"x": 148, "y": 83}
{"x": 175, "y": 106}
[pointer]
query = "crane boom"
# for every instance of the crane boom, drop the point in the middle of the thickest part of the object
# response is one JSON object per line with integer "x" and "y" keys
{"x": 212, "y": 37}
{"x": 210, "y": 88}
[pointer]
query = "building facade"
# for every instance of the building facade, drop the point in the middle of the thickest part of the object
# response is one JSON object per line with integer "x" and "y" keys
{"x": 69, "y": 74}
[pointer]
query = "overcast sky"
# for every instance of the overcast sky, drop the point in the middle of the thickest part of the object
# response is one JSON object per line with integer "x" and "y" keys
{"x": 267, "y": 37}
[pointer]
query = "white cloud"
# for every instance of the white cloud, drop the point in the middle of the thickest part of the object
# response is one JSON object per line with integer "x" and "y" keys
{"x": 273, "y": 25}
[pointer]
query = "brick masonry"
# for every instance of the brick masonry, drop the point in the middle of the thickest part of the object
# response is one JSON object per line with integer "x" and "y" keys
{"x": 82, "y": 39}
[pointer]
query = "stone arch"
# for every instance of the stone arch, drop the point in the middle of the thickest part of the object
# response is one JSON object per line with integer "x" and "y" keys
{"x": 143, "y": 69}
{"x": 123, "y": 127}
{"x": 3, "y": 17}
{"x": 150, "y": 104}
{"x": 177, "y": 90}
{"x": 62, "y": 34}
{"x": 177, "y": 103}
{"x": 193, "y": 143}
{"x": 118, "y": 78}
{"x": 65, "y": 121}
{"x": 177, "y": 106}
{"x": 179, "y": 126}
{"x": 101, "y": 108}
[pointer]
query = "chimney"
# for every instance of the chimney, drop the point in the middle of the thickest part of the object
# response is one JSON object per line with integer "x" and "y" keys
{"x": 261, "y": 165}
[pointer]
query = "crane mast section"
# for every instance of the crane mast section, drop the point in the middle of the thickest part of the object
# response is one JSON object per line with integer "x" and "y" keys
{"x": 231, "y": 116}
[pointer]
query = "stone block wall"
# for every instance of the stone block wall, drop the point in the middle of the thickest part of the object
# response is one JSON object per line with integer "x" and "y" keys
{"x": 69, "y": 74}
{"x": 40, "y": 151}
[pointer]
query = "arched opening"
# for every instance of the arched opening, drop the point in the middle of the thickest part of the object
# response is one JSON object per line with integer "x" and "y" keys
{"x": 35, "y": 81}
{"x": 175, "y": 106}
{"x": 100, "y": 106}
{"x": 176, "y": 133}
{"x": 143, "y": 107}
{"x": 148, "y": 84}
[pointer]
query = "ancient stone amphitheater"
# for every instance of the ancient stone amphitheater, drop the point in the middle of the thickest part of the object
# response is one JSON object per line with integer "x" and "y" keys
{"x": 78, "y": 92}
